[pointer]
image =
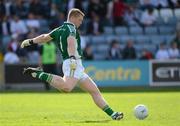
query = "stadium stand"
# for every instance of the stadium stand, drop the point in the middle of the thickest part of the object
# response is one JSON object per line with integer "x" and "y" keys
{"x": 142, "y": 39}
{"x": 149, "y": 37}
{"x": 166, "y": 30}
{"x": 135, "y": 30}
{"x": 177, "y": 13}
{"x": 121, "y": 30}
{"x": 151, "y": 30}
{"x": 166, "y": 14}
{"x": 108, "y": 30}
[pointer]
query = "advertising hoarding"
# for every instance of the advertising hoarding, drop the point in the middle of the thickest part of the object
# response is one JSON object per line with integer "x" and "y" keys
{"x": 118, "y": 73}
{"x": 165, "y": 73}
{"x": 1, "y": 74}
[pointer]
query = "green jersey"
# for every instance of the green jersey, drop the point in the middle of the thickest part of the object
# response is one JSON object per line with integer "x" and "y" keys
{"x": 60, "y": 36}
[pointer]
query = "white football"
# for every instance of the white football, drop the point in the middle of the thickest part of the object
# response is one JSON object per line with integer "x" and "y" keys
{"x": 140, "y": 111}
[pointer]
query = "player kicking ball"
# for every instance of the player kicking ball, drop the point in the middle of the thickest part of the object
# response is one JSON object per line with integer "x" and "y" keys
{"x": 68, "y": 42}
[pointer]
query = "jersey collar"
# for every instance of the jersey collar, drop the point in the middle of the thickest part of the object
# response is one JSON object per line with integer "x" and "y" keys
{"x": 70, "y": 23}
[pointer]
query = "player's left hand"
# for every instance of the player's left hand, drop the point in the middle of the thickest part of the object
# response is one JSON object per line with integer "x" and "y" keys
{"x": 25, "y": 43}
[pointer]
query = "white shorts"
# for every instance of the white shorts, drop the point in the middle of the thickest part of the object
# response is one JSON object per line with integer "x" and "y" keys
{"x": 77, "y": 73}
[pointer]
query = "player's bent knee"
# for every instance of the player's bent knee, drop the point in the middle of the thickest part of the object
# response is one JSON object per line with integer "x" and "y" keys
{"x": 66, "y": 89}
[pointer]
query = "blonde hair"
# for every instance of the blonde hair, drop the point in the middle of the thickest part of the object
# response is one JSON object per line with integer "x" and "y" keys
{"x": 74, "y": 12}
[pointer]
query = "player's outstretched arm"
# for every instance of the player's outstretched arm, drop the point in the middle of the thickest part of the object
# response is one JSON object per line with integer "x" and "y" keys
{"x": 71, "y": 51}
{"x": 39, "y": 39}
{"x": 71, "y": 45}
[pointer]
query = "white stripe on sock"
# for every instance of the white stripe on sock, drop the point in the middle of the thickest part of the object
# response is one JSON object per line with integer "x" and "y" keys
{"x": 113, "y": 114}
{"x": 40, "y": 74}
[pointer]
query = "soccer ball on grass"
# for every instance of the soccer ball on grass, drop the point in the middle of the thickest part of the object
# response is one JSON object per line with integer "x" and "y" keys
{"x": 140, "y": 111}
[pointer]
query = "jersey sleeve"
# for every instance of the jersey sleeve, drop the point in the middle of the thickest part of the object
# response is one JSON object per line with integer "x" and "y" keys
{"x": 71, "y": 31}
{"x": 54, "y": 33}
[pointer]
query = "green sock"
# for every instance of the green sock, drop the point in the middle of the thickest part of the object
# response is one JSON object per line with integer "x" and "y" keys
{"x": 108, "y": 110}
{"x": 44, "y": 76}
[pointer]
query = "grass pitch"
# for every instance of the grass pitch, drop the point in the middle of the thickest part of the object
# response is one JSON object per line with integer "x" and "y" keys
{"x": 78, "y": 109}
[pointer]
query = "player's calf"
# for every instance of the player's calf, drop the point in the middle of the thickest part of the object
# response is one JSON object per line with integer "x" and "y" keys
{"x": 54, "y": 80}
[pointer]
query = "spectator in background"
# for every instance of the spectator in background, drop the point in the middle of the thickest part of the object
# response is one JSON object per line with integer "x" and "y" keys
{"x": 33, "y": 51}
{"x": 162, "y": 53}
{"x": 129, "y": 51}
{"x": 146, "y": 55}
{"x": 17, "y": 8}
{"x": 2, "y": 9}
{"x": 22, "y": 53}
{"x": 119, "y": 9}
{"x": 145, "y": 4}
{"x": 46, "y": 8}
{"x": 148, "y": 18}
{"x": 57, "y": 14}
{"x": 131, "y": 16}
{"x": 14, "y": 43}
{"x": 54, "y": 11}
{"x": 33, "y": 54}
{"x": 98, "y": 7}
{"x": 84, "y": 42}
{"x": 9, "y": 8}
{"x": 5, "y": 32}
{"x": 11, "y": 57}
{"x": 48, "y": 59}
{"x": 177, "y": 39}
{"x": 109, "y": 14}
{"x": 15, "y": 46}
{"x": 57, "y": 20}
{"x": 173, "y": 51}
{"x": 32, "y": 33}
{"x": 17, "y": 26}
{"x": 74, "y": 4}
{"x": 174, "y": 4}
{"x": 95, "y": 27}
{"x": 61, "y": 5}
{"x": 114, "y": 51}
{"x": 159, "y": 3}
{"x": 32, "y": 22}
{"x": 36, "y": 8}
{"x": 5, "y": 26}
{"x": 87, "y": 52}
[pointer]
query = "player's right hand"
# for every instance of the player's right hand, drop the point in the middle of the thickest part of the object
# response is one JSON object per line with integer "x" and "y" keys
{"x": 73, "y": 63}
{"x": 25, "y": 43}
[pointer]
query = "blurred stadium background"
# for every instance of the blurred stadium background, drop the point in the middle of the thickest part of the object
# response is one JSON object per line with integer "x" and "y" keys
{"x": 131, "y": 50}
{"x": 125, "y": 42}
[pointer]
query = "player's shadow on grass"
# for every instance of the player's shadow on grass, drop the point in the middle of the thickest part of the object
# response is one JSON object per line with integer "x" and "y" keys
{"x": 90, "y": 121}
